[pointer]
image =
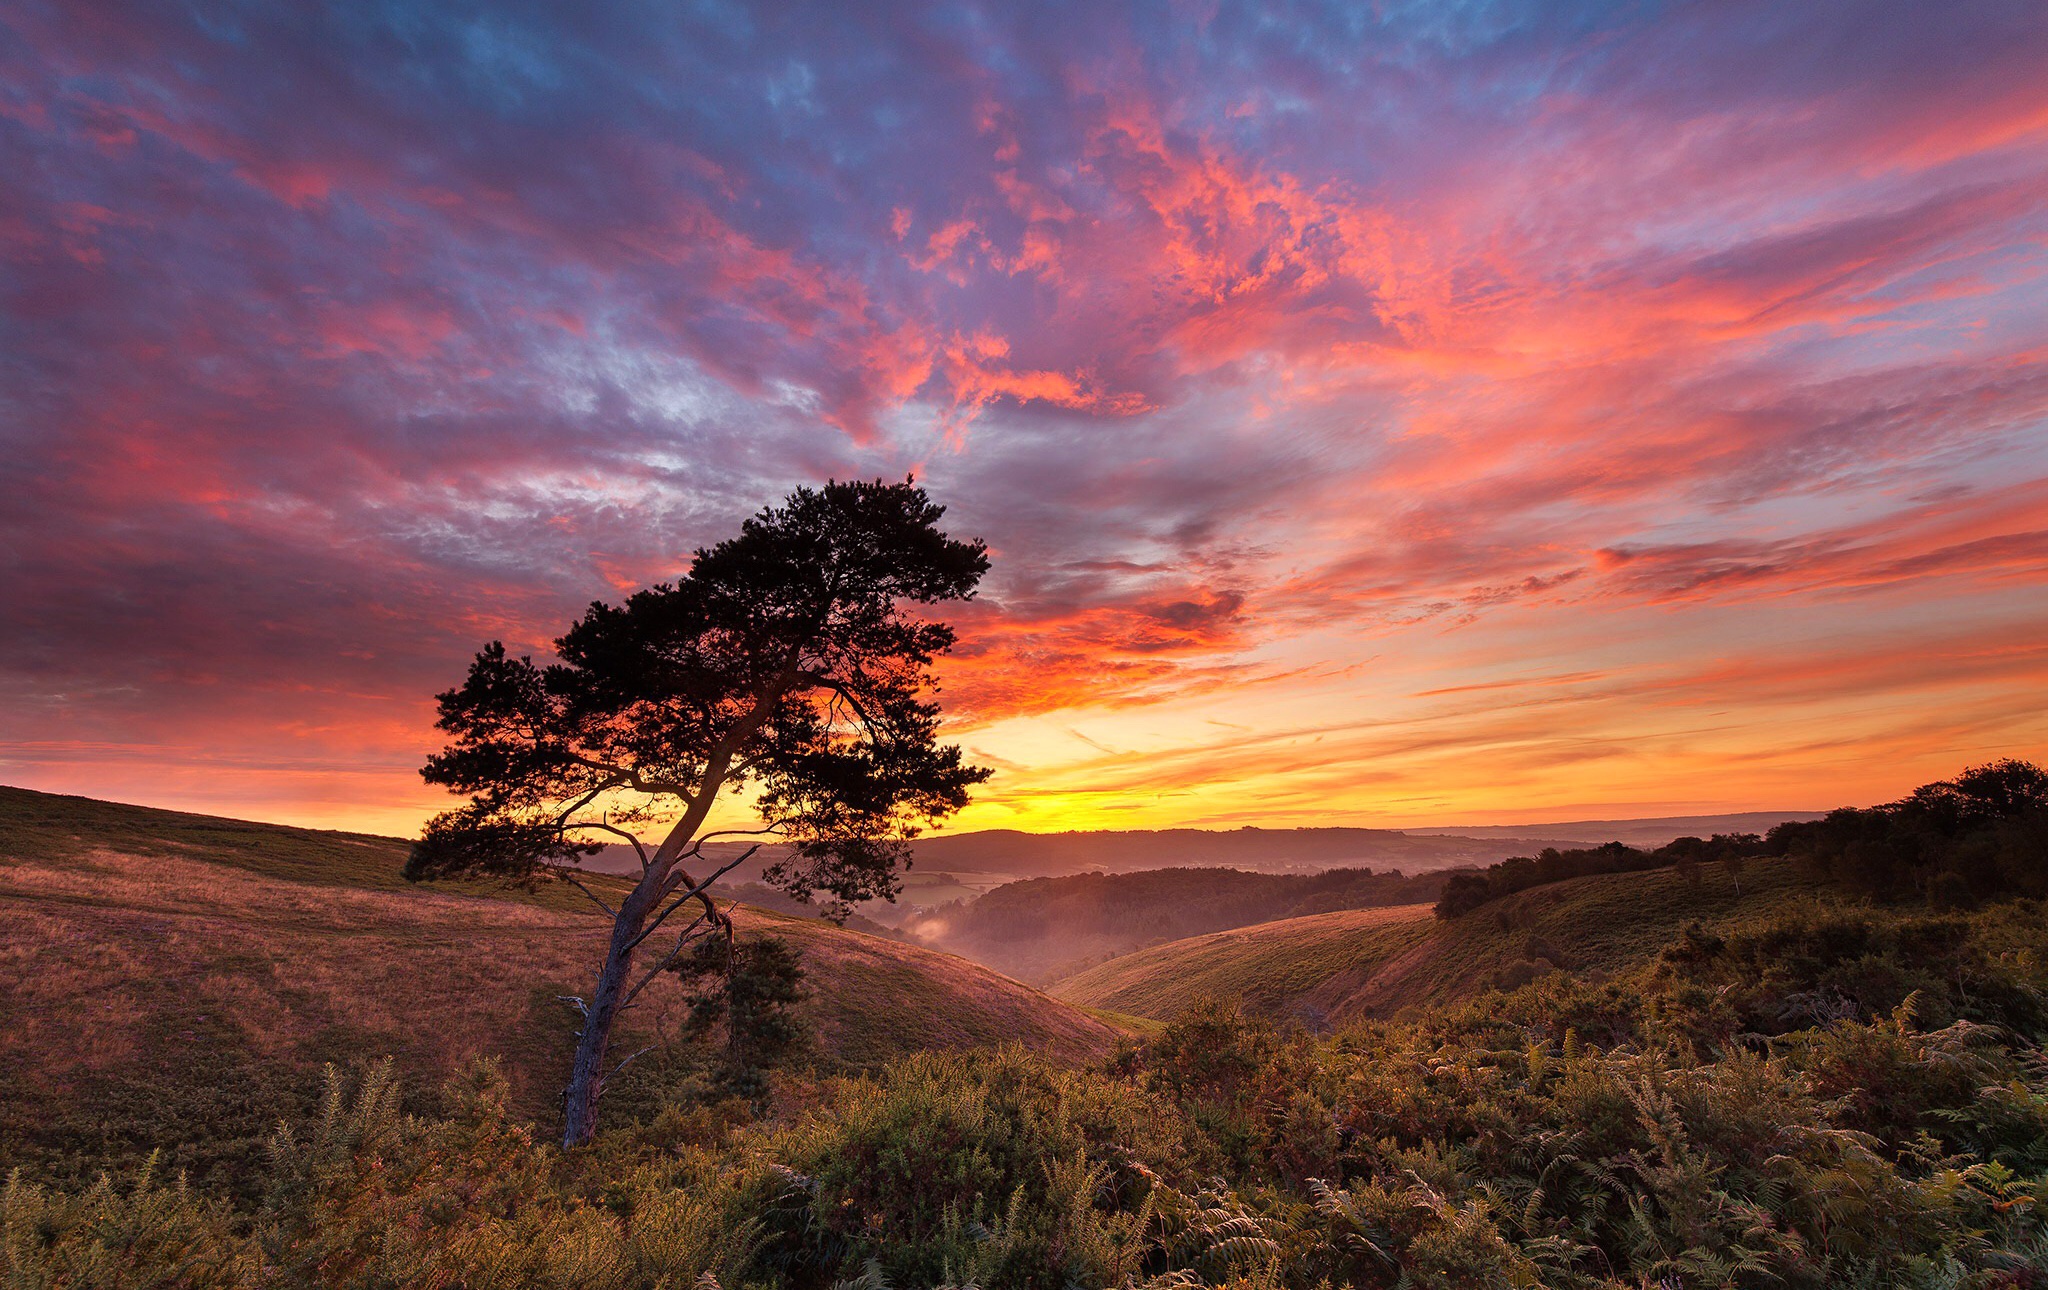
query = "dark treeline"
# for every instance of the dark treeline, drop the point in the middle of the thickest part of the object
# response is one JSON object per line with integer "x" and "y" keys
{"x": 1981, "y": 835}
{"x": 1043, "y": 926}
{"x": 1464, "y": 892}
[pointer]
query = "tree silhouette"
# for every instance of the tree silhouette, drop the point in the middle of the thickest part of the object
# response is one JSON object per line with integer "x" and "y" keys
{"x": 749, "y": 991}
{"x": 781, "y": 663}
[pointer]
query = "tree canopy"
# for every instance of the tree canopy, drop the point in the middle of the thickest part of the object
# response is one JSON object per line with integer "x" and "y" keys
{"x": 782, "y": 664}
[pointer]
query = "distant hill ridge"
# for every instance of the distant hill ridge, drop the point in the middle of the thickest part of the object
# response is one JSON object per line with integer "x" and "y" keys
{"x": 1269, "y": 850}
{"x": 1649, "y": 832}
{"x": 1010, "y": 854}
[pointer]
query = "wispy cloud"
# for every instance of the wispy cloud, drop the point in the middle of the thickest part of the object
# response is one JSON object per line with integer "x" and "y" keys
{"x": 1291, "y": 363}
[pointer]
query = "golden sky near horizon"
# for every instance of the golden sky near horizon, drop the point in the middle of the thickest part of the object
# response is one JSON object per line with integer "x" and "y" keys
{"x": 1492, "y": 413}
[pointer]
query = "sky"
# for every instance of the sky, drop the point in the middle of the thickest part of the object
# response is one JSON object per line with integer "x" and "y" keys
{"x": 1378, "y": 414}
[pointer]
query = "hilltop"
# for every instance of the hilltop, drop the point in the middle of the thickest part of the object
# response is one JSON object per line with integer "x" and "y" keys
{"x": 166, "y": 972}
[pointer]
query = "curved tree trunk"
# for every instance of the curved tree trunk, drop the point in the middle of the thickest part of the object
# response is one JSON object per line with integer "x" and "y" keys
{"x": 601, "y": 1014}
{"x": 586, "y": 1076}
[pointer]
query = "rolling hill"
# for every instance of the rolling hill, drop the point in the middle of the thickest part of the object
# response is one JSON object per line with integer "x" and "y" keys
{"x": 1043, "y": 929}
{"x": 1326, "y": 969}
{"x": 159, "y": 969}
{"x": 961, "y": 866}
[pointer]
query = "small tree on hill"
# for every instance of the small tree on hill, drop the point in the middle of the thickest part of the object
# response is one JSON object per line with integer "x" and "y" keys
{"x": 749, "y": 990}
{"x": 782, "y": 663}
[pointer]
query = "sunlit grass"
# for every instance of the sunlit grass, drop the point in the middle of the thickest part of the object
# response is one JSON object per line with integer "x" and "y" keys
{"x": 168, "y": 979}
{"x": 1325, "y": 969}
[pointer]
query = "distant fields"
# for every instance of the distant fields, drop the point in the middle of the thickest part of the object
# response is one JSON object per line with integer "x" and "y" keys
{"x": 1297, "y": 967}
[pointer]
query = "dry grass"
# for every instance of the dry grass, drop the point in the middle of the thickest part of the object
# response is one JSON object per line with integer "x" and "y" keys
{"x": 155, "y": 991}
{"x": 90, "y": 950}
{"x": 1325, "y": 969}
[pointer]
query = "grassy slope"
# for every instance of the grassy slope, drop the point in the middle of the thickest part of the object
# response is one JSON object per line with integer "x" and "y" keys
{"x": 1048, "y": 929}
{"x": 1328, "y": 968}
{"x": 51, "y": 827}
{"x": 159, "y": 968}
{"x": 1279, "y": 969}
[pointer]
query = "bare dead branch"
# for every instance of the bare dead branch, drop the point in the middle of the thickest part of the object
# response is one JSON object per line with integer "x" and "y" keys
{"x": 771, "y": 830}
{"x": 628, "y": 1062}
{"x": 694, "y": 893}
{"x": 683, "y": 939}
{"x": 568, "y": 875}
{"x": 606, "y": 826}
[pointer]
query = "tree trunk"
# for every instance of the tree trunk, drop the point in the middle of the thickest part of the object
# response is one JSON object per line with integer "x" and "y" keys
{"x": 586, "y": 1076}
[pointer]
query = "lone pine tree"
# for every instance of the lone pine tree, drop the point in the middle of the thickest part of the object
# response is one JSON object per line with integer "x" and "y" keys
{"x": 781, "y": 664}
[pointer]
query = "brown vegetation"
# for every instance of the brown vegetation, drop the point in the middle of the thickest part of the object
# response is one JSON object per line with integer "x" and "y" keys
{"x": 144, "y": 990}
{"x": 1327, "y": 969}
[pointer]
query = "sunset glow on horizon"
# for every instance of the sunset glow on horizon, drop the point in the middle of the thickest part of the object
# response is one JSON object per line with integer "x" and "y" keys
{"x": 1424, "y": 414}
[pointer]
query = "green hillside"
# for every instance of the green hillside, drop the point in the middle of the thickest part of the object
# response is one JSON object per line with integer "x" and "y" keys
{"x": 171, "y": 977}
{"x": 1327, "y": 969}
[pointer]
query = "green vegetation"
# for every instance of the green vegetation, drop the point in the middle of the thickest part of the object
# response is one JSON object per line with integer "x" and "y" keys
{"x": 744, "y": 994}
{"x": 1981, "y": 835}
{"x": 1701, "y": 1122}
{"x": 1045, "y": 928}
{"x": 1465, "y": 892}
{"x": 1613, "y": 1082}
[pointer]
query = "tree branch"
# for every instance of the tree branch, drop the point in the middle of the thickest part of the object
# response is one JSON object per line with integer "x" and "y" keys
{"x": 582, "y": 1009}
{"x": 628, "y": 777}
{"x": 683, "y": 938}
{"x": 825, "y": 681}
{"x": 562, "y": 816}
{"x": 694, "y": 893}
{"x": 718, "y": 762}
{"x": 624, "y": 1064}
{"x": 568, "y": 875}
{"x": 606, "y": 826}
{"x": 773, "y": 830}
